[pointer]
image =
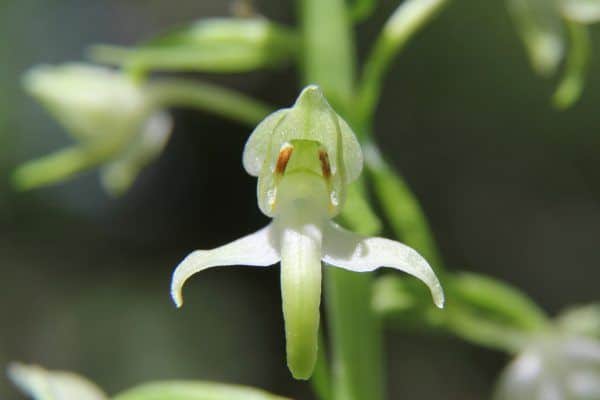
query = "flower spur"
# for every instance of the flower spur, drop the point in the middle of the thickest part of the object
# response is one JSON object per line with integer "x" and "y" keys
{"x": 304, "y": 157}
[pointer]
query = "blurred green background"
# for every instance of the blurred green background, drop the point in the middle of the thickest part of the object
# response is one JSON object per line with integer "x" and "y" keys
{"x": 511, "y": 187}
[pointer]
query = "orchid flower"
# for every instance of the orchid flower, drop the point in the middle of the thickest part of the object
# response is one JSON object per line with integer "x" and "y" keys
{"x": 117, "y": 125}
{"x": 304, "y": 157}
{"x": 556, "y": 366}
{"x": 554, "y": 31}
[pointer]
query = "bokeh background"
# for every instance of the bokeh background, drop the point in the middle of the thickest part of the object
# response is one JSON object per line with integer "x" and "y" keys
{"x": 511, "y": 187}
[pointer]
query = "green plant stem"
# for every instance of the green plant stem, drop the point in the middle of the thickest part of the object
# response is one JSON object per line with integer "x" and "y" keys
{"x": 329, "y": 59}
{"x": 321, "y": 379}
{"x": 513, "y": 310}
{"x": 356, "y": 336}
{"x": 355, "y": 330}
{"x": 360, "y": 10}
{"x": 408, "y": 19}
{"x": 485, "y": 333}
{"x": 208, "y": 97}
{"x": 401, "y": 207}
{"x": 498, "y": 298}
{"x": 480, "y": 310}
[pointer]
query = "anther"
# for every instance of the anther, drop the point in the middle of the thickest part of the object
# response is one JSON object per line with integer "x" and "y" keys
{"x": 325, "y": 167}
{"x": 284, "y": 156}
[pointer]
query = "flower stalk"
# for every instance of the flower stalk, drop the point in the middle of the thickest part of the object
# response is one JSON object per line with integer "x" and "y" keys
{"x": 408, "y": 19}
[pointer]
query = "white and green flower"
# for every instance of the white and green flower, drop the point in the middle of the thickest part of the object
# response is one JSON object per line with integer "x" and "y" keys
{"x": 304, "y": 158}
{"x": 555, "y": 366}
{"x": 116, "y": 124}
{"x": 554, "y": 31}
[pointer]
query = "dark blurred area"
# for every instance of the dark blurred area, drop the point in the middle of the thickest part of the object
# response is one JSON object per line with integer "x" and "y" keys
{"x": 510, "y": 185}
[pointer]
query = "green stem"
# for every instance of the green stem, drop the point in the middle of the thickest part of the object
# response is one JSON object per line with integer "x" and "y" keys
{"x": 360, "y": 10}
{"x": 356, "y": 336}
{"x": 355, "y": 330}
{"x": 499, "y": 299}
{"x": 485, "y": 333}
{"x": 321, "y": 379}
{"x": 208, "y": 97}
{"x": 480, "y": 310}
{"x": 329, "y": 59}
{"x": 401, "y": 207}
{"x": 408, "y": 19}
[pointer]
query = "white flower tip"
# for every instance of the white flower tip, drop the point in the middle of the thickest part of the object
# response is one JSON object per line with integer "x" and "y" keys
{"x": 177, "y": 299}
{"x": 440, "y": 301}
{"x": 438, "y": 295}
{"x": 183, "y": 271}
{"x": 176, "y": 293}
{"x": 15, "y": 371}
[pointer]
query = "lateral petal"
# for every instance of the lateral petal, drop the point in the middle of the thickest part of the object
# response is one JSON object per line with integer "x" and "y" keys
{"x": 256, "y": 249}
{"x": 357, "y": 253}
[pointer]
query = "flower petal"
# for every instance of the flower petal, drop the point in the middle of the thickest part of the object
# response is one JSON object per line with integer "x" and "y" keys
{"x": 92, "y": 103}
{"x": 42, "y": 384}
{"x": 301, "y": 295}
{"x": 258, "y": 147}
{"x": 119, "y": 174}
{"x": 256, "y": 249}
{"x": 357, "y": 253}
{"x": 584, "y": 11}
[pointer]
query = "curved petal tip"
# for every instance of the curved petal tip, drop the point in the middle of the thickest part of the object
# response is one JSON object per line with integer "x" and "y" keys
{"x": 438, "y": 295}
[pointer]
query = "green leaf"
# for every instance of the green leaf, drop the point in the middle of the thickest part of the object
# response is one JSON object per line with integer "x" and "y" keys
{"x": 540, "y": 27}
{"x": 583, "y": 11}
{"x": 193, "y": 390}
{"x": 221, "y": 45}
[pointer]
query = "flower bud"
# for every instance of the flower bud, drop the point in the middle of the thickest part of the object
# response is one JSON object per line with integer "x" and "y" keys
{"x": 553, "y": 367}
{"x": 114, "y": 121}
{"x": 210, "y": 45}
